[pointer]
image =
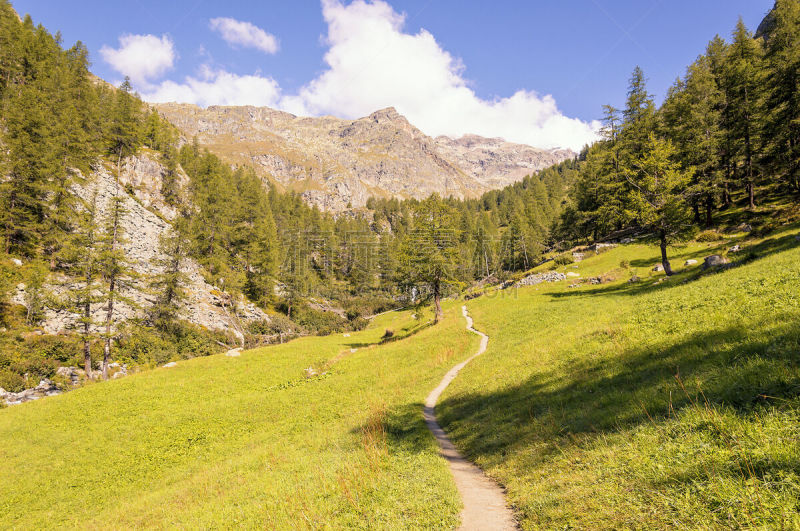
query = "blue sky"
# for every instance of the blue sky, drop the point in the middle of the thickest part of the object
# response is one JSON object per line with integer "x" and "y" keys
{"x": 451, "y": 66}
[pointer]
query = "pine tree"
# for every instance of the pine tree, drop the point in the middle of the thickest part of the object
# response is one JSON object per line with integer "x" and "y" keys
{"x": 658, "y": 185}
{"x": 744, "y": 84}
{"x": 692, "y": 114}
{"x": 116, "y": 271}
{"x": 123, "y": 135}
{"x": 169, "y": 284}
{"x": 80, "y": 255}
{"x": 430, "y": 251}
{"x": 783, "y": 97}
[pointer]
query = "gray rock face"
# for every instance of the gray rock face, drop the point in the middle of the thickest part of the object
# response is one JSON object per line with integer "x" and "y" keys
{"x": 205, "y": 304}
{"x": 538, "y": 278}
{"x": 337, "y": 164}
{"x": 715, "y": 260}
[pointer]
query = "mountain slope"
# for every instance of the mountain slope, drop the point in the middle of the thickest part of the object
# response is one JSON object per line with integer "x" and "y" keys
{"x": 335, "y": 163}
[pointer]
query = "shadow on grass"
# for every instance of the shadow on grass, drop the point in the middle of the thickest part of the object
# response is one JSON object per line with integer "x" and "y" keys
{"x": 403, "y": 334}
{"x": 741, "y": 369}
{"x": 749, "y": 254}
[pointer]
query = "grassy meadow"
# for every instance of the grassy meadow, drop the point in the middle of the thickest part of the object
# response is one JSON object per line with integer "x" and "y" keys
{"x": 246, "y": 441}
{"x": 655, "y": 404}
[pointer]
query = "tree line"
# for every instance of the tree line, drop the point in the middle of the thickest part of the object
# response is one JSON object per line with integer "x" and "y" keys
{"x": 727, "y": 128}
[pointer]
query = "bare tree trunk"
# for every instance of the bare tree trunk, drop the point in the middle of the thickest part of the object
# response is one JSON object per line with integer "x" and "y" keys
{"x": 87, "y": 351}
{"x": 437, "y": 301}
{"x": 109, "y": 320}
{"x": 709, "y": 208}
{"x": 664, "y": 260}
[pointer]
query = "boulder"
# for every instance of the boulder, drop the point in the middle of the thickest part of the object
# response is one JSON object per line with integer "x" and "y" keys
{"x": 658, "y": 267}
{"x": 735, "y": 249}
{"x": 170, "y": 364}
{"x": 573, "y": 274}
{"x": 797, "y": 237}
{"x": 715, "y": 260}
{"x": 633, "y": 279}
{"x": 744, "y": 227}
{"x": 538, "y": 278}
{"x": 690, "y": 262}
{"x": 234, "y": 352}
{"x": 596, "y": 280}
{"x": 16, "y": 261}
{"x": 310, "y": 372}
{"x": 626, "y": 240}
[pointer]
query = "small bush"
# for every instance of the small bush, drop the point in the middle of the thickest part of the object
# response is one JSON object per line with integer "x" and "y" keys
{"x": 11, "y": 381}
{"x": 563, "y": 259}
{"x": 708, "y": 236}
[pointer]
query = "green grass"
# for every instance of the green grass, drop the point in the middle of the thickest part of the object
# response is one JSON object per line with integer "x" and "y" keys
{"x": 658, "y": 404}
{"x": 248, "y": 441}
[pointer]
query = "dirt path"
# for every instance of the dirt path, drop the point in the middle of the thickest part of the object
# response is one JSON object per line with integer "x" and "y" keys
{"x": 484, "y": 501}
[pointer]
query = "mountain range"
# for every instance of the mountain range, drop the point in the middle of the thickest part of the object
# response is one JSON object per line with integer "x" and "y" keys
{"x": 337, "y": 164}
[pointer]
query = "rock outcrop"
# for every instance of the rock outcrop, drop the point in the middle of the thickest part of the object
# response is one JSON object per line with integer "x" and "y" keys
{"x": 338, "y": 164}
{"x": 145, "y": 219}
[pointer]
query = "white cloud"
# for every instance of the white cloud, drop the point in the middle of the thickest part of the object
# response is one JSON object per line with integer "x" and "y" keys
{"x": 217, "y": 87}
{"x": 373, "y": 64}
{"x": 236, "y": 32}
{"x": 142, "y": 57}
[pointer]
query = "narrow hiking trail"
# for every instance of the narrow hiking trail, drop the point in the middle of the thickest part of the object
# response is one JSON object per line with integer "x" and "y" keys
{"x": 484, "y": 501}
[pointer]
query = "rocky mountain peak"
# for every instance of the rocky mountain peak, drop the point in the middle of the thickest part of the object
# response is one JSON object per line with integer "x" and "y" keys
{"x": 338, "y": 164}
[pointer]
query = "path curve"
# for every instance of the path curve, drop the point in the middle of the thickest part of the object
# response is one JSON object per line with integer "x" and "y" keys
{"x": 484, "y": 501}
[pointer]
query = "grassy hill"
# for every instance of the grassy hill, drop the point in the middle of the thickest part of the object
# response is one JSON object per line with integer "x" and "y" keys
{"x": 661, "y": 403}
{"x": 247, "y": 441}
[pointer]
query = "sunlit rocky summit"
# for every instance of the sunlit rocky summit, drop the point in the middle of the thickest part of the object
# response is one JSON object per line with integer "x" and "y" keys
{"x": 338, "y": 164}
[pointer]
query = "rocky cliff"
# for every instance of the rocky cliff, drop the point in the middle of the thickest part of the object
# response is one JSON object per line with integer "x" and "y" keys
{"x": 337, "y": 164}
{"x": 146, "y": 217}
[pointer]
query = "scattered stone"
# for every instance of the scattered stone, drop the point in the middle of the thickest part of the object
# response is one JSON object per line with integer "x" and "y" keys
{"x": 597, "y": 246}
{"x": 735, "y": 249}
{"x": 744, "y": 227}
{"x": 690, "y": 262}
{"x": 573, "y": 274}
{"x": 577, "y": 256}
{"x": 633, "y": 279}
{"x": 45, "y": 388}
{"x": 310, "y": 372}
{"x": 538, "y": 278}
{"x": 352, "y": 350}
{"x": 345, "y": 335}
{"x": 626, "y": 240}
{"x": 715, "y": 260}
{"x": 16, "y": 261}
{"x": 234, "y": 352}
{"x": 170, "y": 364}
{"x": 596, "y": 280}
{"x": 576, "y": 285}
{"x": 658, "y": 267}
{"x": 73, "y": 374}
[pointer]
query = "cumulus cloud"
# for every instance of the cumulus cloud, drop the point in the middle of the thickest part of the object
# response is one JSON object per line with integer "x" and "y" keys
{"x": 141, "y": 57}
{"x": 239, "y": 33}
{"x": 217, "y": 87}
{"x": 373, "y": 63}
